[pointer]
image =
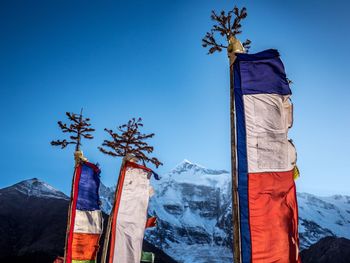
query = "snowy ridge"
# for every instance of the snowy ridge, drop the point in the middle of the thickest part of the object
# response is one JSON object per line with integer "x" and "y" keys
{"x": 106, "y": 197}
{"x": 323, "y": 216}
{"x": 200, "y": 253}
{"x": 186, "y": 165}
{"x": 187, "y": 172}
{"x": 37, "y": 188}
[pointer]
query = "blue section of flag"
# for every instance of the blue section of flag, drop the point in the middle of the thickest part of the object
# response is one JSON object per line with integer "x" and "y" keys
{"x": 242, "y": 168}
{"x": 262, "y": 73}
{"x": 88, "y": 197}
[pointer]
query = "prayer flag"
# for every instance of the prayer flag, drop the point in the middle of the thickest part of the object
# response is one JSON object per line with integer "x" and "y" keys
{"x": 266, "y": 159}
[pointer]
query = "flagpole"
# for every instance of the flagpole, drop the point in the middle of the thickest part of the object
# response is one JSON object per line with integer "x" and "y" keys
{"x": 227, "y": 26}
{"x": 128, "y": 142}
{"x": 77, "y": 155}
{"x": 70, "y": 209}
{"x": 235, "y": 46}
{"x": 80, "y": 127}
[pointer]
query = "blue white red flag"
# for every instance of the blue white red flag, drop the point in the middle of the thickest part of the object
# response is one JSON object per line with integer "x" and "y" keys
{"x": 266, "y": 159}
{"x": 85, "y": 222}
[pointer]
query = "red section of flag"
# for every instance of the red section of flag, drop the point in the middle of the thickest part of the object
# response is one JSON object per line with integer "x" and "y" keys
{"x": 273, "y": 217}
{"x": 85, "y": 246}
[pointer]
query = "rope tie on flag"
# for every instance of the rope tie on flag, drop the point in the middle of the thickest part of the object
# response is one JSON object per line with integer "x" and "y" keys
{"x": 296, "y": 173}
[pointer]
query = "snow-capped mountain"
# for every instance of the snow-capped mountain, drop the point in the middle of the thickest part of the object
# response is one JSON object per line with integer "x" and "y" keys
{"x": 33, "y": 219}
{"x": 323, "y": 216}
{"x": 189, "y": 202}
{"x": 193, "y": 206}
{"x": 37, "y": 188}
{"x": 106, "y": 197}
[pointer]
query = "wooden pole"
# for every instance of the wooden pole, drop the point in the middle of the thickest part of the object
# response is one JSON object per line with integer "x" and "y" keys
{"x": 80, "y": 127}
{"x": 69, "y": 214}
{"x": 224, "y": 27}
{"x": 78, "y": 155}
{"x": 234, "y": 47}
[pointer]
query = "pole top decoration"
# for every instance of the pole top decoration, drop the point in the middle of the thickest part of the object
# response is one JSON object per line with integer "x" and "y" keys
{"x": 79, "y": 127}
{"x": 229, "y": 30}
{"x": 128, "y": 142}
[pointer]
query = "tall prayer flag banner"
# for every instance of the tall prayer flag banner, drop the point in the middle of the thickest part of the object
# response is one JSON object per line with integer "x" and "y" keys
{"x": 266, "y": 159}
{"x": 129, "y": 215}
{"x": 85, "y": 222}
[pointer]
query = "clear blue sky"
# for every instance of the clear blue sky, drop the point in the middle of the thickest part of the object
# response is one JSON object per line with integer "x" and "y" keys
{"x": 144, "y": 58}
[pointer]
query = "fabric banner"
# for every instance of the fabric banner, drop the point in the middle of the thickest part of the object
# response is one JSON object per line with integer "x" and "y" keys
{"x": 85, "y": 223}
{"x": 266, "y": 159}
{"x": 129, "y": 215}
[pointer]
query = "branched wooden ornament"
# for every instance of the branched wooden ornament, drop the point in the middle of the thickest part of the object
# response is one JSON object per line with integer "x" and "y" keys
{"x": 79, "y": 127}
{"x": 225, "y": 28}
{"x": 129, "y": 140}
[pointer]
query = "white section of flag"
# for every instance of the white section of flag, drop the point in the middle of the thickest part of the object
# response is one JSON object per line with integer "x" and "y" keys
{"x": 89, "y": 222}
{"x": 132, "y": 216}
{"x": 268, "y": 118}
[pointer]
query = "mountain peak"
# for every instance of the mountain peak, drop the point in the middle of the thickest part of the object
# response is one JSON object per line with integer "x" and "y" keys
{"x": 185, "y": 161}
{"x": 187, "y": 165}
{"x": 38, "y": 188}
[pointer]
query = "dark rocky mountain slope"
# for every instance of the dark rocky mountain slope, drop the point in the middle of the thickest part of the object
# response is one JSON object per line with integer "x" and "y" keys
{"x": 33, "y": 218}
{"x": 328, "y": 250}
